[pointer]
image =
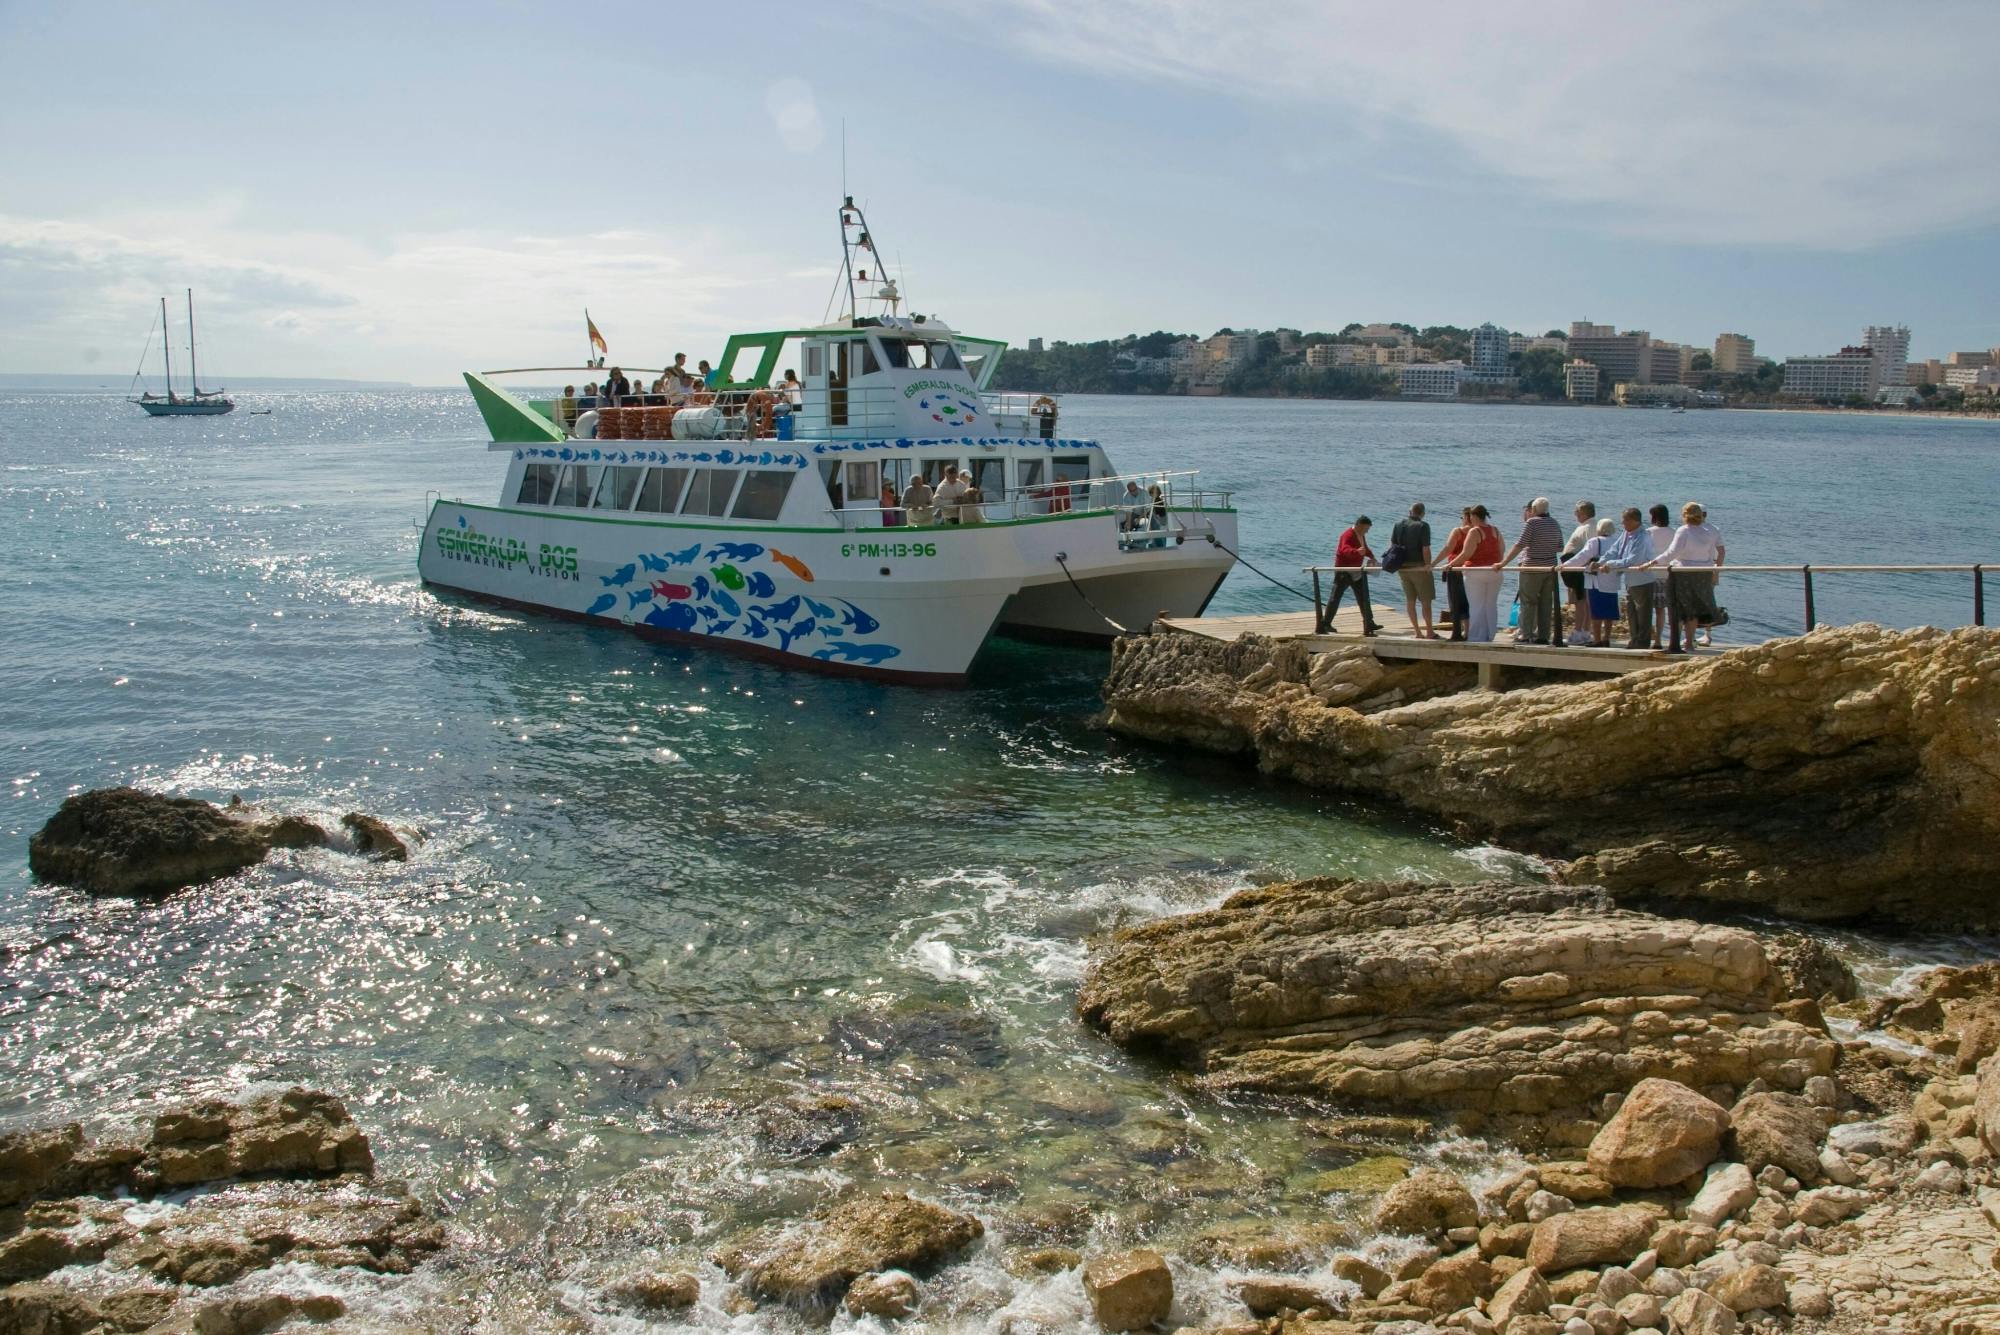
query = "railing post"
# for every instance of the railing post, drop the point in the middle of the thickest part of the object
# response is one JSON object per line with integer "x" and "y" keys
{"x": 1812, "y": 618}
{"x": 1560, "y": 636}
{"x": 1979, "y": 595}
{"x": 1319, "y": 605}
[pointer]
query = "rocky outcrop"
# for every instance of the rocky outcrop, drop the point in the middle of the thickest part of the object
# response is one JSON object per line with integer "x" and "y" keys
{"x": 812, "y": 1263}
{"x": 276, "y": 1177}
{"x": 122, "y": 841}
{"x": 1845, "y": 774}
{"x": 1509, "y": 999}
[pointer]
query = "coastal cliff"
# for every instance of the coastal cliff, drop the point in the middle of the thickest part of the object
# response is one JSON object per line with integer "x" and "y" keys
{"x": 1849, "y": 773}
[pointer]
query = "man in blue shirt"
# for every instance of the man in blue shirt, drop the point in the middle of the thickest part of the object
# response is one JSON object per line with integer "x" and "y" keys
{"x": 1628, "y": 549}
{"x": 1542, "y": 539}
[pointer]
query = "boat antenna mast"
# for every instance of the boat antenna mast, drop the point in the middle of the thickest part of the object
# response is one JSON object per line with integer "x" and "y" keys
{"x": 861, "y": 264}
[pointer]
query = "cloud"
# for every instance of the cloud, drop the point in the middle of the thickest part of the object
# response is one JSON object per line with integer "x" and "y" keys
{"x": 1786, "y": 122}
{"x": 419, "y": 306}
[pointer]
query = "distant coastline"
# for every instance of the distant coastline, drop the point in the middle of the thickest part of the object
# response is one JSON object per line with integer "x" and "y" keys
{"x": 120, "y": 384}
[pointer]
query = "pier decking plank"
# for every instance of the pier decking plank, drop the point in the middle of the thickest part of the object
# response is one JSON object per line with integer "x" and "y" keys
{"x": 1396, "y": 641}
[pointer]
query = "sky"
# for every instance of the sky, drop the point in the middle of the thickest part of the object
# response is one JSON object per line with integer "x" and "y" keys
{"x": 402, "y": 192}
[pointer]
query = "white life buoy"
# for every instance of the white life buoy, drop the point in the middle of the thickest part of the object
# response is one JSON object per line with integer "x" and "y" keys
{"x": 586, "y": 426}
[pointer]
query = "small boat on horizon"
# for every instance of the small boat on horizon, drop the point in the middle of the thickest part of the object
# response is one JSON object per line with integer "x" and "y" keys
{"x": 199, "y": 402}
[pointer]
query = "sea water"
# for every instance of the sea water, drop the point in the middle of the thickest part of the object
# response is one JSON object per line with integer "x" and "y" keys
{"x": 663, "y": 895}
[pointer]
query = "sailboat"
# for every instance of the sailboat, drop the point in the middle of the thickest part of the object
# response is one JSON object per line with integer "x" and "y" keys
{"x": 199, "y": 402}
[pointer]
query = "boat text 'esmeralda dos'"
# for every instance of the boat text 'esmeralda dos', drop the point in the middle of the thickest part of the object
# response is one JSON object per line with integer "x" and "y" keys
{"x": 769, "y": 517}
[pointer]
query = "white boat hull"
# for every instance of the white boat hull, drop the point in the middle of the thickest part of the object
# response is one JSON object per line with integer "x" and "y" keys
{"x": 909, "y": 604}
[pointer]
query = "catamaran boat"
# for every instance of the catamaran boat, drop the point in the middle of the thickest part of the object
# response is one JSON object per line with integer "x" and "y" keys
{"x": 767, "y": 517}
{"x": 198, "y": 402}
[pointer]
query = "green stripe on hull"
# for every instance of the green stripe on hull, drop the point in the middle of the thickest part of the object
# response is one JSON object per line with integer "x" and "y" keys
{"x": 511, "y": 421}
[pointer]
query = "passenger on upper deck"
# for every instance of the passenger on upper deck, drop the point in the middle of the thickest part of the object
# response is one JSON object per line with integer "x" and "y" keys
{"x": 794, "y": 392}
{"x": 1132, "y": 505}
{"x": 705, "y": 376}
{"x": 566, "y": 408}
{"x": 616, "y": 386}
{"x": 589, "y": 399}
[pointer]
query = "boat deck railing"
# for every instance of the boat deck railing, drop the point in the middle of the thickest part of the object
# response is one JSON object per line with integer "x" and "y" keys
{"x": 1187, "y": 502}
{"x": 1805, "y": 572}
{"x": 815, "y": 413}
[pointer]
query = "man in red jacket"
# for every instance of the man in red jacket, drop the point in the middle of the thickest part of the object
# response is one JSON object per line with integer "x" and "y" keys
{"x": 1352, "y": 555}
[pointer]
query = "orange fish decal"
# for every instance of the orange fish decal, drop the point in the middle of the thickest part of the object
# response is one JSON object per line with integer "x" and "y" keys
{"x": 793, "y": 564}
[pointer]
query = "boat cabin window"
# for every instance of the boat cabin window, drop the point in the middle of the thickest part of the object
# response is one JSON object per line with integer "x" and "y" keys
{"x": 869, "y": 366}
{"x": 897, "y": 473}
{"x": 763, "y": 494}
{"x": 575, "y": 484}
{"x": 934, "y": 469}
{"x": 538, "y": 483}
{"x": 661, "y": 493}
{"x": 898, "y": 353}
{"x": 812, "y": 359}
{"x": 709, "y": 493}
{"x": 945, "y": 357}
{"x": 1073, "y": 469}
{"x": 990, "y": 476}
{"x": 864, "y": 485}
{"x": 1031, "y": 474}
{"x": 618, "y": 489}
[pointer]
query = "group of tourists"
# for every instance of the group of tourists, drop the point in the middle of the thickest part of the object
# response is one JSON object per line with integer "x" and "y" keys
{"x": 955, "y": 500}
{"x": 672, "y": 388}
{"x": 1593, "y": 561}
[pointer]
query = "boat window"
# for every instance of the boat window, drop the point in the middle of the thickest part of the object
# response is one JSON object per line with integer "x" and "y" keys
{"x": 869, "y": 366}
{"x": 974, "y": 365}
{"x": 934, "y": 469}
{"x": 709, "y": 493}
{"x": 1075, "y": 470}
{"x": 763, "y": 494}
{"x": 811, "y": 360}
{"x": 538, "y": 483}
{"x": 945, "y": 357}
{"x": 661, "y": 493}
{"x": 863, "y": 485}
{"x": 897, "y": 352}
{"x": 897, "y": 473}
{"x": 1031, "y": 474}
{"x": 744, "y": 365}
{"x": 617, "y": 490}
{"x": 990, "y": 476}
{"x": 573, "y": 487}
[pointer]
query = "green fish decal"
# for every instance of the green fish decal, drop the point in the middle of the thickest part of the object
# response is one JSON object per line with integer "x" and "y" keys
{"x": 729, "y": 577}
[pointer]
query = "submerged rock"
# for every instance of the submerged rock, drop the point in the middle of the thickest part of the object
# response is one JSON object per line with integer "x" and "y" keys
{"x": 1848, "y": 773}
{"x": 1129, "y": 1290}
{"x": 374, "y": 837}
{"x": 1511, "y": 999}
{"x": 814, "y": 1262}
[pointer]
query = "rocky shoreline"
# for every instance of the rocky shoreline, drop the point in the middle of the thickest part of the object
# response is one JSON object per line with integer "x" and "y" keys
{"x": 1843, "y": 775}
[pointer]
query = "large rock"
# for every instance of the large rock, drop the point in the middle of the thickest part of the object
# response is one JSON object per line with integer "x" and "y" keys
{"x": 1129, "y": 1291}
{"x": 1848, "y": 773}
{"x": 33, "y": 1158}
{"x": 1526, "y": 1294}
{"x": 1452, "y": 1283}
{"x": 1729, "y": 1188}
{"x": 1426, "y": 1202}
{"x": 122, "y": 841}
{"x": 1695, "y": 1313}
{"x": 1600, "y": 1235}
{"x": 1986, "y": 1105}
{"x": 1780, "y": 1129}
{"x": 1749, "y": 1287}
{"x": 1516, "y": 999}
{"x": 813, "y": 1263}
{"x": 1662, "y": 1133}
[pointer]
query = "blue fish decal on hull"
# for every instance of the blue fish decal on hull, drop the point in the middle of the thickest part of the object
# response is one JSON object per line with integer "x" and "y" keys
{"x": 856, "y": 653}
{"x": 701, "y": 586}
{"x": 721, "y": 628}
{"x": 760, "y": 585}
{"x": 756, "y": 629}
{"x": 657, "y": 565}
{"x": 707, "y": 613}
{"x": 637, "y": 596}
{"x": 858, "y": 620}
{"x": 798, "y": 631}
{"x": 602, "y": 605}
{"x": 685, "y": 556}
{"x": 620, "y": 577}
{"x": 734, "y": 551}
{"x": 832, "y": 632}
{"x": 674, "y": 616}
{"x": 722, "y": 600}
{"x": 820, "y": 610}
{"x": 784, "y": 611}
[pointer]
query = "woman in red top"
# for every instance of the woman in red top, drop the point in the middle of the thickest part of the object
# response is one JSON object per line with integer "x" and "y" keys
{"x": 1454, "y": 580}
{"x": 1479, "y": 561}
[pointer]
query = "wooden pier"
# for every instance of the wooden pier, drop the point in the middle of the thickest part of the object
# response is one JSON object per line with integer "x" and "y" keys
{"x": 1395, "y": 641}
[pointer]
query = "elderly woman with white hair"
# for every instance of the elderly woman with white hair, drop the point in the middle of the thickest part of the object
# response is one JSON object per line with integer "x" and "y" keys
{"x": 1694, "y": 562}
{"x": 1601, "y": 586}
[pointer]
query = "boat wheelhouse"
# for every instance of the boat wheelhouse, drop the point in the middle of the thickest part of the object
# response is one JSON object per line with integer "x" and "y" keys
{"x": 769, "y": 517}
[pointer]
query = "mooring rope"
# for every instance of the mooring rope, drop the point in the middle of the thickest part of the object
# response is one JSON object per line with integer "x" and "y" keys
{"x": 1301, "y": 593}
{"x": 1062, "y": 559}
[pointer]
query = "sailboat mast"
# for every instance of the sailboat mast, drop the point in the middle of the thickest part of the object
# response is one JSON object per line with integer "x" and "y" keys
{"x": 167, "y": 349}
{"x": 194, "y": 380}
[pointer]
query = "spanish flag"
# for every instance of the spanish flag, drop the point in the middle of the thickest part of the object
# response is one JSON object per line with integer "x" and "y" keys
{"x": 596, "y": 339}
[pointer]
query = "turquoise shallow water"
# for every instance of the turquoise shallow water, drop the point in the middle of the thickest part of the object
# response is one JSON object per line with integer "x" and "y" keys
{"x": 662, "y": 889}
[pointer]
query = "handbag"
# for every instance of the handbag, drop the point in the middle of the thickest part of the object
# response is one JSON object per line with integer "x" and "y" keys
{"x": 1721, "y": 616}
{"x": 1393, "y": 557}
